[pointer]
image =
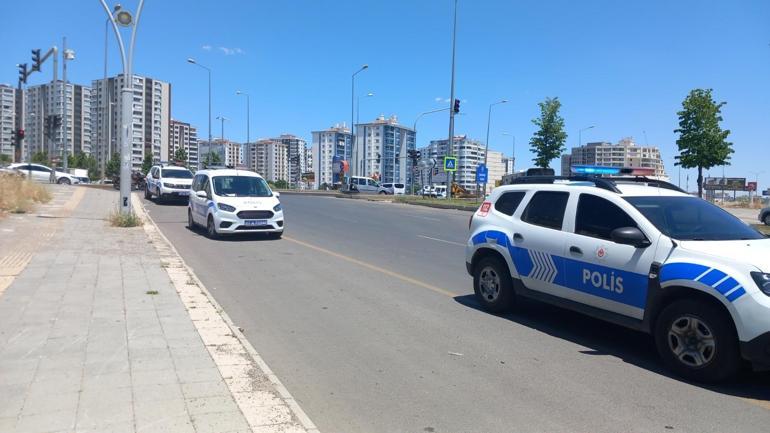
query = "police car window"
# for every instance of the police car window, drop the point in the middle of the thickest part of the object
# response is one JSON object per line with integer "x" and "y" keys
{"x": 597, "y": 217}
{"x": 546, "y": 208}
{"x": 207, "y": 187}
{"x": 509, "y": 201}
{"x": 692, "y": 218}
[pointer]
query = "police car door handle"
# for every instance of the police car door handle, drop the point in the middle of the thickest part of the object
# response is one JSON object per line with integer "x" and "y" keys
{"x": 575, "y": 250}
{"x": 518, "y": 237}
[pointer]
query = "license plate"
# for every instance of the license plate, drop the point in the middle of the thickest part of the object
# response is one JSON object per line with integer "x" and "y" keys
{"x": 256, "y": 222}
{"x": 184, "y": 193}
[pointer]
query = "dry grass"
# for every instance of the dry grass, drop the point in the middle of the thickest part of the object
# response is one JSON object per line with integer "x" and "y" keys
{"x": 120, "y": 219}
{"x": 18, "y": 195}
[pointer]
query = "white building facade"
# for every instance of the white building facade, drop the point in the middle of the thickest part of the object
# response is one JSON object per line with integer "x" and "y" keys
{"x": 9, "y": 122}
{"x": 73, "y": 104}
{"x": 469, "y": 154}
{"x": 380, "y": 150}
{"x": 183, "y": 136}
{"x": 327, "y": 144}
{"x": 623, "y": 154}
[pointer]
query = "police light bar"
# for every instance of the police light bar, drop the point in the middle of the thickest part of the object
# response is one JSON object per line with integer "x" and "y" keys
{"x": 612, "y": 171}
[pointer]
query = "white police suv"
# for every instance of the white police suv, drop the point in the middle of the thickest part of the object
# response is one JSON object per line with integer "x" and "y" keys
{"x": 634, "y": 251}
{"x": 227, "y": 201}
{"x": 168, "y": 182}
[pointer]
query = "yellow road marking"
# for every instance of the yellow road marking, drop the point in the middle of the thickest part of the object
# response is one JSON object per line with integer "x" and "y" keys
{"x": 396, "y": 275}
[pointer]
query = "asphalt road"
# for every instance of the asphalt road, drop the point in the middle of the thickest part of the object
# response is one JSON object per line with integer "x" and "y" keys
{"x": 364, "y": 310}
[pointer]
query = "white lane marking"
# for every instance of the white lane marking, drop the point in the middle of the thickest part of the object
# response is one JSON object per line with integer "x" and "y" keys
{"x": 423, "y": 217}
{"x": 440, "y": 240}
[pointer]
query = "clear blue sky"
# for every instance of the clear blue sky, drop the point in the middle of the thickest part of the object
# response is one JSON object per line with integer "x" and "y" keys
{"x": 622, "y": 66}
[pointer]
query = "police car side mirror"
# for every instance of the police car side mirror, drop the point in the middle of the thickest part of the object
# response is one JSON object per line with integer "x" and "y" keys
{"x": 155, "y": 176}
{"x": 201, "y": 194}
{"x": 630, "y": 236}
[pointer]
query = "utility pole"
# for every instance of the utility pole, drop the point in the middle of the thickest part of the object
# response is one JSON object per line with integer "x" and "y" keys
{"x": 451, "y": 103}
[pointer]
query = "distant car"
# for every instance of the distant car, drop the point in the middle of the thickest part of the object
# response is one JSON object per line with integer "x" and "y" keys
{"x": 234, "y": 201}
{"x": 168, "y": 182}
{"x": 393, "y": 188}
{"x": 42, "y": 173}
{"x": 764, "y": 216}
{"x": 440, "y": 191}
{"x": 364, "y": 185}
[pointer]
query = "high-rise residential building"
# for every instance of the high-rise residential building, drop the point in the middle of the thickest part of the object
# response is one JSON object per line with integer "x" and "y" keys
{"x": 270, "y": 158}
{"x": 469, "y": 154}
{"x": 46, "y": 100}
{"x": 10, "y": 102}
{"x": 183, "y": 136}
{"x": 233, "y": 153}
{"x": 380, "y": 150}
{"x": 297, "y": 153}
{"x": 496, "y": 169}
{"x": 327, "y": 144}
{"x": 151, "y": 116}
{"x": 623, "y": 154}
{"x": 510, "y": 164}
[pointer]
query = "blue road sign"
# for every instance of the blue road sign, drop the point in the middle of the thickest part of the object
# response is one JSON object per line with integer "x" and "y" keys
{"x": 450, "y": 163}
{"x": 482, "y": 173}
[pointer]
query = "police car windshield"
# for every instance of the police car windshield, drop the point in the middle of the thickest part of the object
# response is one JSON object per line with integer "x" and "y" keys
{"x": 241, "y": 186}
{"x": 176, "y": 173}
{"x": 691, "y": 218}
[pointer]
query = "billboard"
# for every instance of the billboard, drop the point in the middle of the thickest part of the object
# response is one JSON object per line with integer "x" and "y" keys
{"x": 725, "y": 183}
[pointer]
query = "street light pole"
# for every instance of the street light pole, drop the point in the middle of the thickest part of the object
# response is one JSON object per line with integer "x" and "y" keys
{"x": 124, "y": 18}
{"x": 450, "y": 148}
{"x": 414, "y": 128}
{"x": 486, "y": 145}
{"x": 222, "y": 119}
{"x": 248, "y": 115}
{"x": 580, "y": 134}
{"x": 513, "y": 153}
{"x": 352, "y": 104}
{"x": 194, "y": 62}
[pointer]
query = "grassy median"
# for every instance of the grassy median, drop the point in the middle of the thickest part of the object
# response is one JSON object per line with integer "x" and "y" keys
{"x": 454, "y": 203}
{"x": 19, "y": 196}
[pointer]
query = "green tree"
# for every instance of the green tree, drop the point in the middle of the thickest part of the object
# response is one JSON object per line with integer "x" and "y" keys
{"x": 147, "y": 163}
{"x": 113, "y": 166}
{"x": 181, "y": 155}
{"x": 212, "y": 158}
{"x": 40, "y": 157}
{"x": 5, "y": 158}
{"x": 92, "y": 165}
{"x": 281, "y": 184}
{"x": 548, "y": 141}
{"x": 702, "y": 142}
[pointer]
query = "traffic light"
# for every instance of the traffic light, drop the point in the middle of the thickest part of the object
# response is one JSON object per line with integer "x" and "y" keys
{"x": 397, "y": 156}
{"x": 20, "y": 134}
{"x": 417, "y": 154}
{"x": 36, "y": 60}
{"x": 23, "y": 73}
{"x": 379, "y": 158}
{"x": 456, "y": 108}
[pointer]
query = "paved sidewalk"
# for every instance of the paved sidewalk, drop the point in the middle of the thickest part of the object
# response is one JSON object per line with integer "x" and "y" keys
{"x": 95, "y": 338}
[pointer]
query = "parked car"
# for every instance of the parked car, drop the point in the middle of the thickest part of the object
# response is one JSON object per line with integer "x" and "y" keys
{"x": 168, "y": 182}
{"x": 393, "y": 188}
{"x": 42, "y": 173}
{"x": 764, "y": 216}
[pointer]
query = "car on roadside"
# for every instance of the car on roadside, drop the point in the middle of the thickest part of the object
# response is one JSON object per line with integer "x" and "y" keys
{"x": 764, "y": 216}
{"x": 42, "y": 173}
{"x": 168, "y": 182}
{"x": 364, "y": 185}
{"x": 392, "y": 188}
{"x": 229, "y": 201}
{"x": 637, "y": 252}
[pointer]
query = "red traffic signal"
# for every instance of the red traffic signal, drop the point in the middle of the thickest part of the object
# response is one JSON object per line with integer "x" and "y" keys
{"x": 20, "y": 134}
{"x": 456, "y": 108}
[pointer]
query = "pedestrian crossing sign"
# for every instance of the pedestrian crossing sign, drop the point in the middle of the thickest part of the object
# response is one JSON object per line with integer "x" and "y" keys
{"x": 450, "y": 163}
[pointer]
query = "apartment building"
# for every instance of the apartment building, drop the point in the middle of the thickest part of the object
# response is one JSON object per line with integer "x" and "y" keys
{"x": 9, "y": 121}
{"x": 328, "y": 144}
{"x": 380, "y": 150}
{"x": 623, "y": 154}
{"x": 183, "y": 136}
{"x": 151, "y": 118}
{"x": 469, "y": 154}
{"x": 74, "y": 103}
{"x": 270, "y": 158}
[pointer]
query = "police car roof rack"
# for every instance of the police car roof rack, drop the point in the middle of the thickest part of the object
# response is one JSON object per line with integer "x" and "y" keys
{"x": 650, "y": 182}
{"x": 599, "y": 182}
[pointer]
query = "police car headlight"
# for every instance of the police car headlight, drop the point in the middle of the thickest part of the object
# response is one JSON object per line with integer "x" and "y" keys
{"x": 277, "y": 208}
{"x": 763, "y": 281}
{"x": 226, "y": 207}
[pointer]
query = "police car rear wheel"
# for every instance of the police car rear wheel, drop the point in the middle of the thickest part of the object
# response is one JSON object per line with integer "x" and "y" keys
{"x": 767, "y": 220}
{"x": 147, "y": 194}
{"x": 492, "y": 285}
{"x": 697, "y": 341}
{"x": 190, "y": 221}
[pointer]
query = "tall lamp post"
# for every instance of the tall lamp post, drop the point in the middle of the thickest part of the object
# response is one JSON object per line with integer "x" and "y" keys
{"x": 352, "y": 109}
{"x": 124, "y": 18}
{"x": 194, "y": 62}
{"x": 450, "y": 147}
{"x": 248, "y": 115}
{"x": 67, "y": 54}
{"x": 580, "y": 134}
{"x": 513, "y": 152}
{"x": 414, "y": 128}
{"x": 756, "y": 180}
{"x": 486, "y": 145}
{"x": 358, "y": 112}
{"x": 222, "y": 119}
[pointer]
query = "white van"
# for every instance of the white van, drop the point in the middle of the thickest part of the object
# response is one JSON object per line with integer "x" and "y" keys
{"x": 394, "y": 188}
{"x": 365, "y": 185}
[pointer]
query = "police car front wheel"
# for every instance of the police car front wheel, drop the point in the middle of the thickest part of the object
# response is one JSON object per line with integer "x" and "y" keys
{"x": 492, "y": 285}
{"x": 697, "y": 340}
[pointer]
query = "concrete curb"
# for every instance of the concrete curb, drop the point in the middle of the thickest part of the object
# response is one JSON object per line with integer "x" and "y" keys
{"x": 439, "y": 206}
{"x": 238, "y": 377}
